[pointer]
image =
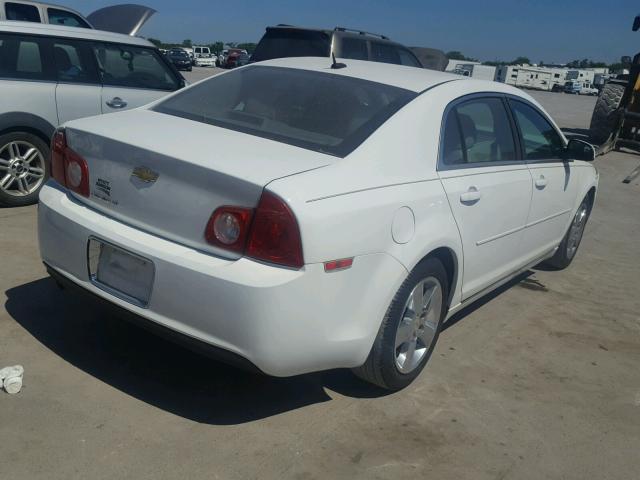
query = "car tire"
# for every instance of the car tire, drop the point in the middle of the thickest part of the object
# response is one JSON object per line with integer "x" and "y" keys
{"x": 569, "y": 246}
{"x": 389, "y": 364}
{"x": 24, "y": 168}
{"x": 605, "y": 117}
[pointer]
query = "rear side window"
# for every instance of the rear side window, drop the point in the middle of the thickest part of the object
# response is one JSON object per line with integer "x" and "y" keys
{"x": 539, "y": 139}
{"x": 354, "y": 48}
{"x": 133, "y": 67}
{"x": 324, "y": 112}
{"x": 64, "y": 17}
{"x": 21, "y": 12}
{"x": 21, "y": 57}
{"x": 282, "y": 42}
{"x": 478, "y": 131}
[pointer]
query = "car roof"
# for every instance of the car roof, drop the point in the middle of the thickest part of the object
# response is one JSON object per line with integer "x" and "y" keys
{"x": 409, "y": 78}
{"x": 45, "y": 29}
{"x": 341, "y": 31}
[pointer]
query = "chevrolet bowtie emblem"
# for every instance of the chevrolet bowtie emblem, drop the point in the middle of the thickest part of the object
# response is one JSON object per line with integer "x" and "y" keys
{"x": 145, "y": 174}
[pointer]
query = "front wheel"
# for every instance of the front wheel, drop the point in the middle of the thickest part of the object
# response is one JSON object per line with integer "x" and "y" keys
{"x": 410, "y": 328}
{"x": 23, "y": 168}
{"x": 569, "y": 246}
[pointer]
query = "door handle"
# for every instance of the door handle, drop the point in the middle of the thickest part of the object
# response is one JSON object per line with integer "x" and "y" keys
{"x": 116, "y": 102}
{"x": 470, "y": 196}
{"x": 541, "y": 182}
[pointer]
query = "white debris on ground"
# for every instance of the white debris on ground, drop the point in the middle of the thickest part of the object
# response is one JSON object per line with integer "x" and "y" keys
{"x": 11, "y": 379}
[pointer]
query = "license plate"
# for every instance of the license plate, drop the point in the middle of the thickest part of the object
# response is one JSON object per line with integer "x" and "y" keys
{"x": 120, "y": 272}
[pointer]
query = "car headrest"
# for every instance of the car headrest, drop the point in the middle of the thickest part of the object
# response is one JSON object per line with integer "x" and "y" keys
{"x": 469, "y": 131}
{"x": 63, "y": 62}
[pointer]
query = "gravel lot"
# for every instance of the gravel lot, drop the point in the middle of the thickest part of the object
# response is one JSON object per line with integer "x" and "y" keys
{"x": 539, "y": 381}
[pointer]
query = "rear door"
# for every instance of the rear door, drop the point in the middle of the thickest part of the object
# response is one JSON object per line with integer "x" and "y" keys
{"x": 27, "y": 78}
{"x": 554, "y": 182}
{"x": 79, "y": 89}
{"x": 488, "y": 187}
{"x": 132, "y": 76}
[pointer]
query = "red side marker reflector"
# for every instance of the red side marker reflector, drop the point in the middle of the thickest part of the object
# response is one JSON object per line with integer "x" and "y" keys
{"x": 334, "y": 265}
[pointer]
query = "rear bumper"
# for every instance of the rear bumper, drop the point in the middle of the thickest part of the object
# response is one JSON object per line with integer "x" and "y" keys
{"x": 282, "y": 321}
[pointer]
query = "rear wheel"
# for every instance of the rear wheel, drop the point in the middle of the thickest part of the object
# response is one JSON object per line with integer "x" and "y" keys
{"x": 606, "y": 113}
{"x": 569, "y": 246}
{"x": 410, "y": 329}
{"x": 23, "y": 168}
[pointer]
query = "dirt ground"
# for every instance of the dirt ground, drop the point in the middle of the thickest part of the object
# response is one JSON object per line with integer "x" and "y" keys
{"x": 540, "y": 380}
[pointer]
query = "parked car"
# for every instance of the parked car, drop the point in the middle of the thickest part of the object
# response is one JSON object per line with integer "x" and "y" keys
{"x": 126, "y": 19}
{"x": 236, "y": 57}
{"x": 203, "y": 57}
{"x": 222, "y": 58}
{"x": 578, "y": 87}
{"x": 51, "y": 74}
{"x": 287, "y": 41}
{"x": 307, "y": 242}
{"x": 180, "y": 59}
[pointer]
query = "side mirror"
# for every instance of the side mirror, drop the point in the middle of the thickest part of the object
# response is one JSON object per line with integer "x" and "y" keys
{"x": 580, "y": 150}
{"x": 636, "y": 23}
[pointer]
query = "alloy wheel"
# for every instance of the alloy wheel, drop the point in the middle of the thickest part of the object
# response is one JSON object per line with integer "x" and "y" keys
{"x": 418, "y": 325}
{"x": 22, "y": 168}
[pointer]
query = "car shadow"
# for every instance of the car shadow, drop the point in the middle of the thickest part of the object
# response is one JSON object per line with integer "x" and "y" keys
{"x": 159, "y": 372}
{"x": 522, "y": 279}
{"x": 169, "y": 376}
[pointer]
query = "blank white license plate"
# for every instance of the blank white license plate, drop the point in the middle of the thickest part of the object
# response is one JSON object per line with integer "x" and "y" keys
{"x": 123, "y": 273}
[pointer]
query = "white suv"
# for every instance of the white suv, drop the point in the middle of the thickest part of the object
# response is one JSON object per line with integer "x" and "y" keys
{"x": 52, "y": 74}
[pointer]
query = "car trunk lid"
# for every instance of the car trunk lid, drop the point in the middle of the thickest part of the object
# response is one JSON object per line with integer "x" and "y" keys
{"x": 166, "y": 175}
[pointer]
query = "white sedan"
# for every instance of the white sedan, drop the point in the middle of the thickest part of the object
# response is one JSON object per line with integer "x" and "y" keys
{"x": 343, "y": 215}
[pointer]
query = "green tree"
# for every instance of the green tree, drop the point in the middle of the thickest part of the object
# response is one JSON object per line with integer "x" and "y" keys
{"x": 249, "y": 47}
{"x": 187, "y": 43}
{"x": 521, "y": 60}
{"x": 156, "y": 42}
{"x": 216, "y": 47}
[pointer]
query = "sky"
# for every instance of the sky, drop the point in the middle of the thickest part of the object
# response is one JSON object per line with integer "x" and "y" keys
{"x": 543, "y": 30}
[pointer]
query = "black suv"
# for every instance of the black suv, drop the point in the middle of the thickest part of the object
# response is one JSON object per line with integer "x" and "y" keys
{"x": 288, "y": 41}
{"x": 180, "y": 59}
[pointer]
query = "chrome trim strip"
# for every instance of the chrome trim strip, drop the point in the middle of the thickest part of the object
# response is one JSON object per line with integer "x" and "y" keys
{"x": 500, "y": 235}
{"x": 550, "y": 217}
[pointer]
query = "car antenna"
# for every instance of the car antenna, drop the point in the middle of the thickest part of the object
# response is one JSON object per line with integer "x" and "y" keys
{"x": 335, "y": 65}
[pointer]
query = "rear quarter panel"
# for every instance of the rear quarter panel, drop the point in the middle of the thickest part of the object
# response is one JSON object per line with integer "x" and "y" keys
{"x": 347, "y": 209}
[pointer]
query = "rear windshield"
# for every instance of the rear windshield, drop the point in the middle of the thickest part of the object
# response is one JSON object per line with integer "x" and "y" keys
{"x": 283, "y": 43}
{"x": 324, "y": 112}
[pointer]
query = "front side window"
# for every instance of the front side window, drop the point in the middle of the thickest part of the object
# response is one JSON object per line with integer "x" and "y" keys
{"x": 20, "y": 57}
{"x": 478, "y": 131}
{"x": 21, "y": 12}
{"x": 73, "y": 62}
{"x": 318, "y": 111}
{"x": 407, "y": 58}
{"x": 540, "y": 140}
{"x": 64, "y": 17}
{"x": 133, "y": 67}
{"x": 354, "y": 48}
{"x": 384, "y": 53}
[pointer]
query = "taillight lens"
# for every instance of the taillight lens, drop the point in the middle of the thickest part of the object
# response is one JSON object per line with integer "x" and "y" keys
{"x": 67, "y": 167}
{"x": 274, "y": 235}
{"x": 228, "y": 228}
{"x": 269, "y": 233}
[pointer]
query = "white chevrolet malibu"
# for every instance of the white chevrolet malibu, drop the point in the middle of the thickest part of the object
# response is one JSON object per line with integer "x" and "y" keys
{"x": 296, "y": 216}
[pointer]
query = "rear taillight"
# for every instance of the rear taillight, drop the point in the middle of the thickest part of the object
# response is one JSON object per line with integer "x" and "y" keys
{"x": 274, "y": 235}
{"x": 228, "y": 228}
{"x": 269, "y": 233}
{"x": 67, "y": 167}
